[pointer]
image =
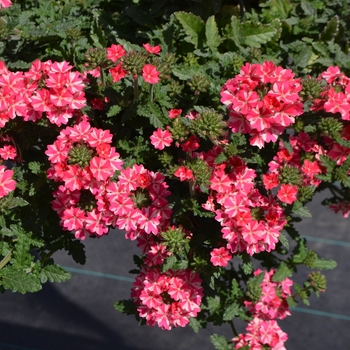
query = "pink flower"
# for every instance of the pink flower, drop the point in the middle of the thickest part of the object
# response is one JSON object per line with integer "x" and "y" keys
{"x": 174, "y": 113}
{"x": 5, "y": 3}
{"x": 184, "y": 173}
{"x": 220, "y": 256}
{"x": 7, "y": 184}
{"x": 287, "y": 194}
{"x": 152, "y": 49}
{"x": 115, "y": 52}
{"x": 117, "y": 73}
{"x": 161, "y": 139}
{"x": 150, "y": 74}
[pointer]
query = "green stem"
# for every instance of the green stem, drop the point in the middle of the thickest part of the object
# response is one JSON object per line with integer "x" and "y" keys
{"x": 191, "y": 186}
{"x": 151, "y": 88}
{"x": 136, "y": 88}
{"x": 6, "y": 259}
{"x": 233, "y": 329}
{"x": 103, "y": 80}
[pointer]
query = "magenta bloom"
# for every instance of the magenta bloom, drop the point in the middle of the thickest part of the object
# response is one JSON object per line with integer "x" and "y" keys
{"x": 7, "y": 184}
{"x": 150, "y": 74}
{"x": 161, "y": 139}
{"x": 287, "y": 194}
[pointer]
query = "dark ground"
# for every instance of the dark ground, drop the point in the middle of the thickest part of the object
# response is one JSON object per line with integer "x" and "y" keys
{"x": 79, "y": 314}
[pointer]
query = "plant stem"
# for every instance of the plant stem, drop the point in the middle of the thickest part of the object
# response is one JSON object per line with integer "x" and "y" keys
{"x": 151, "y": 88}
{"x": 233, "y": 329}
{"x": 136, "y": 88}
{"x": 6, "y": 259}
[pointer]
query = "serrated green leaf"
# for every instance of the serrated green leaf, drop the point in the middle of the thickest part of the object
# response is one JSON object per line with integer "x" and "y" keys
{"x": 307, "y": 8}
{"x": 331, "y": 29}
{"x": 54, "y": 273}
{"x": 247, "y": 267}
{"x": 256, "y": 34}
{"x": 221, "y": 158}
{"x": 231, "y": 312}
{"x": 291, "y": 302}
{"x": 287, "y": 145}
{"x": 195, "y": 324}
{"x": 299, "y": 210}
{"x": 284, "y": 240}
{"x": 282, "y": 273}
{"x": 234, "y": 31}
{"x": 187, "y": 73}
{"x": 126, "y": 306}
{"x": 19, "y": 281}
{"x": 22, "y": 257}
{"x": 169, "y": 263}
{"x": 212, "y": 33}
{"x": 213, "y": 304}
{"x": 220, "y": 342}
{"x": 113, "y": 111}
{"x": 300, "y": 252}
{"x": 194, "y": 27}
{"x": 325, "y": 264}
{"x": 34, "y": 167}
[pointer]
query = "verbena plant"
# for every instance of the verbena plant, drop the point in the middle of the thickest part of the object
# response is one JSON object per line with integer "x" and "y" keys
{"x": 200, "y": 131}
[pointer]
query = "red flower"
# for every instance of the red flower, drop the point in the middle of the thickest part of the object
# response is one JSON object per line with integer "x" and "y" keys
{"x": 184, "y": 173}
{"x": 161, "y": 139}
{"x": 287, "y": 194}
{"x": 115, "y": 52}
{"x": 150, "y": 74}
{"x": 152, "y": 49}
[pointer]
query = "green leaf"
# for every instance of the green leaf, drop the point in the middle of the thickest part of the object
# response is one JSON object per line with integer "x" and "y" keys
{"x": 231, "y": 312}
{"x": 256, "y": 34}
{"x": 169, "y": 263}
{"x": 195, "y": 324}
{"x": 212, "y": 34}
{"x": 284, "y": 240}
{"x": 34, "y": 167}
{"x": 187, "y": 73}
{"x": 126, "y": 306}
{"x": 153, "y": 112}
{"x": 194, "y": 27}
{"x": 54, "y": 273}
{"x": 213, "y": 304}
{"x": 247, "y": 267}
{"x": 21, "y": 254}
{"x": 325, "y": 264}
{"x": 282, "y": 273}
{"x": 19, "y": 281}
{"x": 291, "y": 302}
{"x": 300, "y": 252}
{"x": 331, "y": 29}
{"x": 113, "y": 111}
{"x": 220, "y": 342}
{"x": 307, "y": 8}
{"x": 221, "y": 158}
{"x": 234, "y": 31}
{"x": 299, "y": 210}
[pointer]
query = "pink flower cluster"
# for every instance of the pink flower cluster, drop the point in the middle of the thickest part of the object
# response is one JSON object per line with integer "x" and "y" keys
{"x": 250, "y": 221}
{"x": 48, "y": 87}
{"x": 138, "y": 201}
{"x": 83, "y": 159}
{"x": 150, "y": 73}
{"x": 336, "y": 96}
{"x": 263, "y": 329}
{"x": 167, "y": 299}
{"x": 263, "y": 101}
{"x": 309, "y": 167}
{"x": 7, "y": 152}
